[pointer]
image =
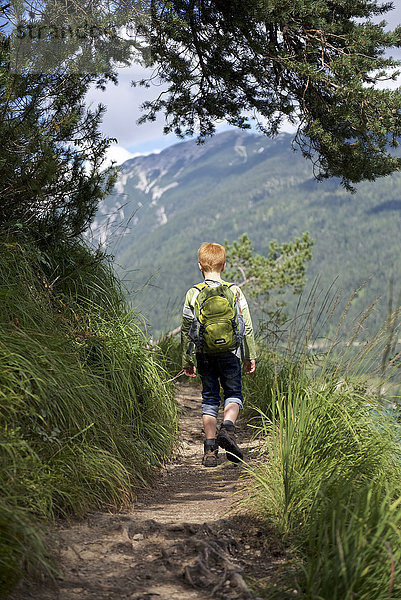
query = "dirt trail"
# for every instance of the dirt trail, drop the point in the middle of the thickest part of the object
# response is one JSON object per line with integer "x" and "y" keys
{"x": 183, "y": 539}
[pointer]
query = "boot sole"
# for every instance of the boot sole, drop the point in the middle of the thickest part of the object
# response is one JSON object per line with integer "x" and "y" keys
{"x": 233, "y": 452}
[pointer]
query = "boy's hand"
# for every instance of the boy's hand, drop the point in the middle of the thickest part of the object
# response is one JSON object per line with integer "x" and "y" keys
{"x": 190, "y": 371}
{"x": 249, "y": 366}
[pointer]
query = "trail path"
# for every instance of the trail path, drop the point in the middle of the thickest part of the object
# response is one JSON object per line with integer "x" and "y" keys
{"x": 184, "y": 538}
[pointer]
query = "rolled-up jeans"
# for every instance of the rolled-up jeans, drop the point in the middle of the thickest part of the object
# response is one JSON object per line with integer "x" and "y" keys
{"x": 216, "y": 369}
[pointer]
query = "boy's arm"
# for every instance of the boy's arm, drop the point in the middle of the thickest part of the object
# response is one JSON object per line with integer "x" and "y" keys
{"x": 249, "y": 338}
{"x": 187, "y": 318}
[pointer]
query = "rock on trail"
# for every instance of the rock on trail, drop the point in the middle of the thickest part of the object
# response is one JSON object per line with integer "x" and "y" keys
{"x": 185, "y": 537}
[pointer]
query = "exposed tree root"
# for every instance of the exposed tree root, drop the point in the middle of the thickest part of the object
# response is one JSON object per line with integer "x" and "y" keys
{"x": 212, "y": 565}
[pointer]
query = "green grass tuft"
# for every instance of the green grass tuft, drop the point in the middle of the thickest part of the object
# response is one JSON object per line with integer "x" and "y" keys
{"x": 331, "y": 480}
{"x": 85, "y": 413}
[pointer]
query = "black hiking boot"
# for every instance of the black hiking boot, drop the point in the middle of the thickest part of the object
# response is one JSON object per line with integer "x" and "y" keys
{"x": 211, "y": 451}
{"x": 226, "y": 439}
{"x": 210, "y": 458}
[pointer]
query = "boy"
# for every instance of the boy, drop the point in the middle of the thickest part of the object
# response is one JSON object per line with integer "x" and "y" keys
{"x": 217, "y": 368}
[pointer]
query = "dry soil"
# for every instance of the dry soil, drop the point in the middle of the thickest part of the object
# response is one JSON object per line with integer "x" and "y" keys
{"x": 184, "y": 538}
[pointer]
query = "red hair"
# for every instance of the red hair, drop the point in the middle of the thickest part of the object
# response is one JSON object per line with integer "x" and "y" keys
{"x": 211, "y": 257}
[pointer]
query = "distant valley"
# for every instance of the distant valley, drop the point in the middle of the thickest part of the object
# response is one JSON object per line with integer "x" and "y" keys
{"x": 165, "y": 205}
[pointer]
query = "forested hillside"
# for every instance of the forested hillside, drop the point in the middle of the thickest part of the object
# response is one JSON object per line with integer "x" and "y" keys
{"x": 165, "y": 205}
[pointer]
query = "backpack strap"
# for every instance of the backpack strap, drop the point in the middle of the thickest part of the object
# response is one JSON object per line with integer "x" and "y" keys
{"x": 200, "y": 286}
{"x": 242, "y": 349}
{"x": 203, "y": 284}
{"x": 229, "y": 285}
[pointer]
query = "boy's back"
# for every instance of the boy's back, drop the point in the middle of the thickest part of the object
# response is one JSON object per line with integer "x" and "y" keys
{"x": 243, "y": 321}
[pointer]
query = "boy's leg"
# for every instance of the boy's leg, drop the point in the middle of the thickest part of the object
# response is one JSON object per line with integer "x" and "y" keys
{"x": 210, "y": 392}
{"x": 231, "y": 411}
{"x": 209, "y": 425}
{"x": 210, "y": 408}
{"x": 230, "y": 377}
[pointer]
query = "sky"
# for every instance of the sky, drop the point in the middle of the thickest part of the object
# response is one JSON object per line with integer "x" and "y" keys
{"x": 123, "y": 110}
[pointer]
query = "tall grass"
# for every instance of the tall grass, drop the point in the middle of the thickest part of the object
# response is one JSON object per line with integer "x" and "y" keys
{"x": 331, "y": 482}
{"x": 85, "y": 413}
{"x": 169, "y": 352}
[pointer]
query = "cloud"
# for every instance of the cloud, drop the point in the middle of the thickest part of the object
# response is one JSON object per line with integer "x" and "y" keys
{"x": 123, "y": 103}
{"x": 118, "y": 154}
{"x": 392, "y": 17}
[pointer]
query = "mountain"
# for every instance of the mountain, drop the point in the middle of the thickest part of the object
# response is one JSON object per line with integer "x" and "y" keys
{"x": 165, "y": 205}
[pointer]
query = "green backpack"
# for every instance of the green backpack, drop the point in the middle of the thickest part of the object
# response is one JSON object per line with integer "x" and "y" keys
{"x": 218, "y": 325}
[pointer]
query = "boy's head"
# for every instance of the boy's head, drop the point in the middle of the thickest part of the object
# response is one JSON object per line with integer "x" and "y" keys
{"x": 212, "y": 258}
